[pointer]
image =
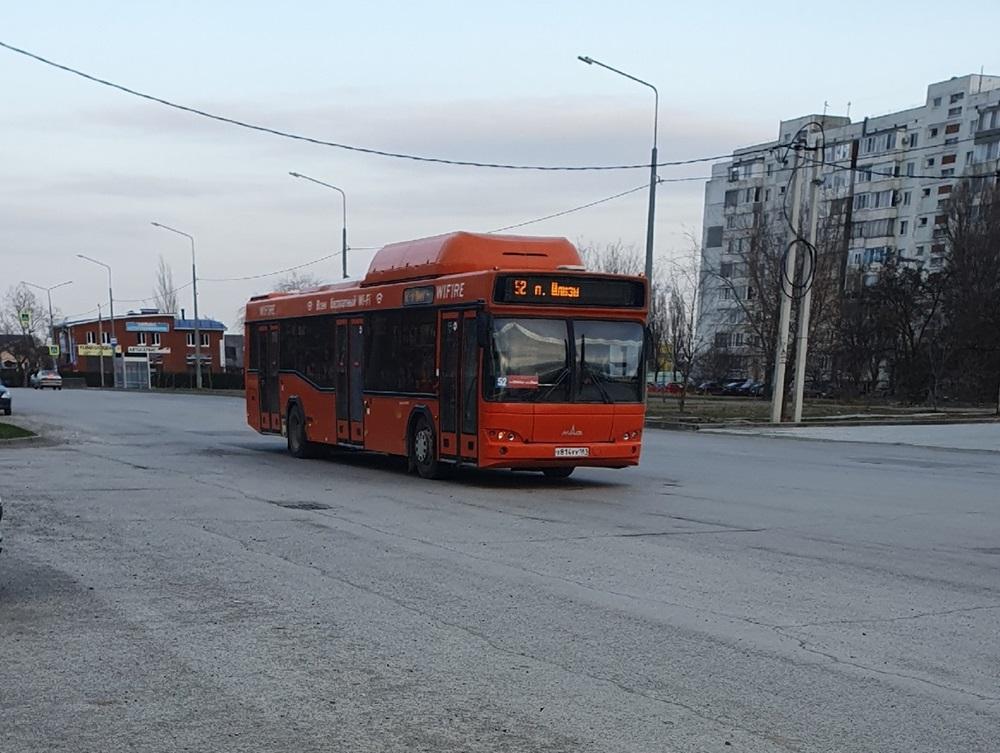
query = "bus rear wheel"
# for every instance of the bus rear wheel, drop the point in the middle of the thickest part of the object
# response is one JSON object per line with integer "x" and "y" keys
{"x": 561, "y": 472}
{"x": 423, "y": 449}
{"x": 298, "y": 445}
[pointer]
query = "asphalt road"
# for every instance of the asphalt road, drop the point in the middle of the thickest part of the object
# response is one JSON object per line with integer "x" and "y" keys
{"x": 172, "y": 581}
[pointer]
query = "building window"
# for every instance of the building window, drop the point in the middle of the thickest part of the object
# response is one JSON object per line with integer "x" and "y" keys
{"x": 969, "y": 157}
{"x": 919, "y": 251}
{"x": 903, "y": 224}
{"x": 951, "y": 140}
{"x": 956, "y": 97}
{"x": 730, "y": 224}
{"x": 869, "y": 145}
{"x": 934, "y": 132}
{"x": 906, "y": 198}
{"x": 954, "y": 112}
{"x": 140, "y": 338}
{"x": 913, "y": 140}
{"x": 713, "y": 236}
{"x": 923, "y": 222}
{"x": 944, "y": 189}
{"x": 767, "y": 194}
{"x": 952, "y": 128}
{"x": 726, "y": 269}
{"x": 937, "y": 101}
{"x": 156, "y": 338}
{"x": 190, "y": 339}
{"x": 861, "y": 201}
{"x": 204, "y": 339}
{"x": 864, "y": 173}
{"x": 105, "y": 338}
{"x": 732, "y": 198}
{"x": 910, "y": 169}
{"x": 929, "y": 162}
{"x": 926, "y": 192}
{"x": 948, "y": 172}
{"x": 91, "y": 338}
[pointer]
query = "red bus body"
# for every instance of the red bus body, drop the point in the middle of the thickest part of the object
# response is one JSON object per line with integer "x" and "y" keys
{"x": 319, "y": 350}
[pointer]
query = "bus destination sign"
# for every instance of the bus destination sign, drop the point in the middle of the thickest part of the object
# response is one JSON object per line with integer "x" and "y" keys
{"x": 565, "y": 290}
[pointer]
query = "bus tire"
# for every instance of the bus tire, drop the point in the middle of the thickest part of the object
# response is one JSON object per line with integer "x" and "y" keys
{"x": 423, "y": 449}
{"x": 298, "y": 445}
{"x": 561, "y": 472}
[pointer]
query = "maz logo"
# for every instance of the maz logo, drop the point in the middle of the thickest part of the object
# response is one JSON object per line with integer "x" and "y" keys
{"x": 572, "y": 431}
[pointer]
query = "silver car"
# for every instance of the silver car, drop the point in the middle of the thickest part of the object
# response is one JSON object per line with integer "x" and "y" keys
{"x": 46, "y": 378}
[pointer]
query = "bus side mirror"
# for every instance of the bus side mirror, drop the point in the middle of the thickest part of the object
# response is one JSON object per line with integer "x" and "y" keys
{"x": 647, "y": 346}
{"x": 484, "y": 327}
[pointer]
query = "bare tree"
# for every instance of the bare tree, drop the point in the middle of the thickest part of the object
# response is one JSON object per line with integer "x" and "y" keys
{"x": 688, "y": 344}
{"x": 164, "y": 293}
{"x": 27, "y": 351}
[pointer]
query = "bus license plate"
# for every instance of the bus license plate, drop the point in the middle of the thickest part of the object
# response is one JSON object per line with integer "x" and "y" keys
{"x": 572, "y": 452}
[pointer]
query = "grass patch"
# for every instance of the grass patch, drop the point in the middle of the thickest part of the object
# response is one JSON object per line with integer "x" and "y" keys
{"x": 700, "y": 409}
{"x": 9, "y": 431}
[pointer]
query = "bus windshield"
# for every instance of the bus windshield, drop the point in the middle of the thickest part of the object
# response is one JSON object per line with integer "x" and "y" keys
{"x": 564, "y": 361}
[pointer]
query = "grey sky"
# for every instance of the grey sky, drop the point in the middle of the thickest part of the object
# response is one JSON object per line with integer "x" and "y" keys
{"x": 86, "y": 168}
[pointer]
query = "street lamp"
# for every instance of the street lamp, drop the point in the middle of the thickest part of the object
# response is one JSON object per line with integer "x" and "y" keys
{"x": 343, "y": 232}
{"x": 652, "y": 160}
{"x": 194, "y": 290}
{"x": 111, "y": 303}
{"x": 48, "y": 292}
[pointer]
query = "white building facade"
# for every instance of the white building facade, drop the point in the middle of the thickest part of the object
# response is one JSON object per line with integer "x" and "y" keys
{"x": 886, "y": 182}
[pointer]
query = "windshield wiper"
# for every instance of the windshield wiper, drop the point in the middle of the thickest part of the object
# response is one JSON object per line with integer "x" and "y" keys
{"x": 597, "y": 381}
{"x": 566, "y": 371}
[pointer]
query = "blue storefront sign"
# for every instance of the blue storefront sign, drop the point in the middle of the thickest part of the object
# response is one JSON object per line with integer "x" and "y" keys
{"x": 147, "y": 327}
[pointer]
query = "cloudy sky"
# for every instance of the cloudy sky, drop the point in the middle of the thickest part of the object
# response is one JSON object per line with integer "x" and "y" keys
{"x": 86, "y": 168}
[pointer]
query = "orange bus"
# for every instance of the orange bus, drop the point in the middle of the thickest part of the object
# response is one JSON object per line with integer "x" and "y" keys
{"x": 462, "y": 349}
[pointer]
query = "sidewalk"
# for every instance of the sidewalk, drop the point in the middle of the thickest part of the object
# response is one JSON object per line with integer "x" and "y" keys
{"x": 984, "y": 437}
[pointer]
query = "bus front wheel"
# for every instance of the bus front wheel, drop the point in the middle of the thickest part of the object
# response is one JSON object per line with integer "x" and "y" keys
{"x": 561, "y": 472}
{"x": 423, "y": 449}
{"x": 298, "y": 445}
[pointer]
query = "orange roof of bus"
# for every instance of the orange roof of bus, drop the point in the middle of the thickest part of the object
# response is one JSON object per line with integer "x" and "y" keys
{"x": 455, "y": 253}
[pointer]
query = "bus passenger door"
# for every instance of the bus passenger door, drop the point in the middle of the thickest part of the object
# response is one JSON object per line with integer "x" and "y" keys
{"x": 451, "y": 354}
{"x": 356, "y": 402}
{"x": 459, "y": 391}
{"x": 267, "y": 377}
{"x": 343, "y": 382}
{"x": 469, "y": 399}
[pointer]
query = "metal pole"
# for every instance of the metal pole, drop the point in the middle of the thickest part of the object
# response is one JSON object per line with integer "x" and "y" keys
{"x": 652, "y": 166}
{"x": 650, "y": 219}
{"x": 197, "y": 329}
{"x": 194, "y": 290}
{"x": 343, "y": 232}
{"x": 100, "y": 341}
{"x": 805, "y": 305}
{"x": 781, "y": 348}
{"x": 111, "y": 339}
{"x": 343, "y": 242}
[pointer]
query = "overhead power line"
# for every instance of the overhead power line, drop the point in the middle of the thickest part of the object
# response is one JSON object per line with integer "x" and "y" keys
{"x": 338, "y": 145}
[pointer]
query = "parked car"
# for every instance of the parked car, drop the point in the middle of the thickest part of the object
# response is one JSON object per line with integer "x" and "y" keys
{"x": 675, "y": 388}
{"x": 758, "y": 389}
{"x": 735, "y": 387}
{"x": 46, "y": 378}
{"x": 711, "y": 387}
{"x": 5, "y": 404}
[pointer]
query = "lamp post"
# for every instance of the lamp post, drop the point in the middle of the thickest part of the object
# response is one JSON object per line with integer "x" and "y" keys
{"x": 48, "y": 292}
{"x": 194, "y": 290}
{"x": 652, "y": 160}
{"x": 111, "y": 313}
{"x": 343, "y": 232}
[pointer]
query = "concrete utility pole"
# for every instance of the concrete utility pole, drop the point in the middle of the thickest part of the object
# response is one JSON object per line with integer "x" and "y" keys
{"x": 651, "y": 215}
{"x": 194, "y": 290}
{"x": 343, "y": 227}
{"x": 805, "y": 304}
{"x": 784, "y": 318}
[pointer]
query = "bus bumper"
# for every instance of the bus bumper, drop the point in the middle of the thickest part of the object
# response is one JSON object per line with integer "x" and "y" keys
{"x": 495, "y": 454}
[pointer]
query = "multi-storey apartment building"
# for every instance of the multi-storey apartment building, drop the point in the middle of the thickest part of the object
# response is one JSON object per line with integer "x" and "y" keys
{"x": 886, "y": 183}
